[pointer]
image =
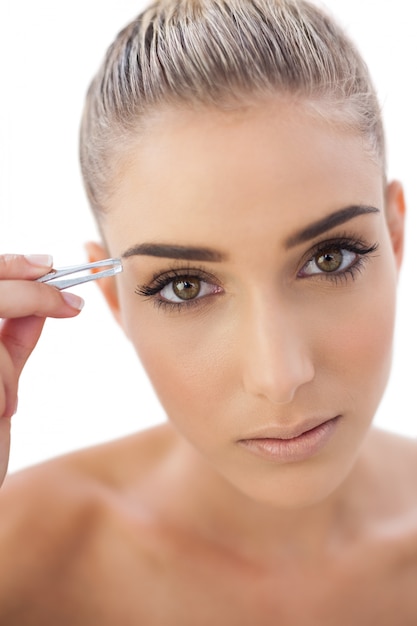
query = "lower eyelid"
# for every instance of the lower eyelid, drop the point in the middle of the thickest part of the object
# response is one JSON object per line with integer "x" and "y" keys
{"x": 179, "y": 305}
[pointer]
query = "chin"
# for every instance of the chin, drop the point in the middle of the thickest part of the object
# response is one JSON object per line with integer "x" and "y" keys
{"x": 294, "y": 486}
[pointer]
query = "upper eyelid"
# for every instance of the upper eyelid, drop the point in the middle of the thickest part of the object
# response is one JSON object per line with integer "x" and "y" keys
{"x": 347, "y": 239}
{"x": 162, "y": 279}
{"x": 178, "y": 272}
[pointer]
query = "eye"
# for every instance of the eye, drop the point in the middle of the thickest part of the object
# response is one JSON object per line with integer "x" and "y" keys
{"x": 330, "y": 260}
{"x": 186, "y": 288}
{"x": 338, "y": 258}
{"x": 180, "y": 288}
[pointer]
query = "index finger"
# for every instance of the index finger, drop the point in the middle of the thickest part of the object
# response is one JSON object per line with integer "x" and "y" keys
{"x": 25, "y": 266}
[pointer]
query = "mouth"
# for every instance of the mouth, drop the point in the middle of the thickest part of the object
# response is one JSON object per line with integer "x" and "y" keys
{"x": 292, "y": 445}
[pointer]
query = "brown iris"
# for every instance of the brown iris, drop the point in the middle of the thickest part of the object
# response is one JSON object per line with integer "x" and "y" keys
{"x": 186, "y": 288}
{"x": 330, "y": 260}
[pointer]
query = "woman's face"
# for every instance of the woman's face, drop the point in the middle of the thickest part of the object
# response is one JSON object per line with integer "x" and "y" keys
{"x": 259, "y": 289}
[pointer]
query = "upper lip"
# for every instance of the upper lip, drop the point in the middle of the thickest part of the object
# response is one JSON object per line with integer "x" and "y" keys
{"x": 289, "y": 431}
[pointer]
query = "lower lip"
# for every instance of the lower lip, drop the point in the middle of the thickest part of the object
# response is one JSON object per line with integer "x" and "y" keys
{"x": 296, "y": 449}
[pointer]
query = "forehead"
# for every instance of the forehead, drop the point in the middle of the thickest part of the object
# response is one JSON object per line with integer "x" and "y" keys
{"x": 194, "y": 172}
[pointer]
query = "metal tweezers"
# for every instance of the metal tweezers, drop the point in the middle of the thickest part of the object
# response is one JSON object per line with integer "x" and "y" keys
{"x": 54, "y": 276}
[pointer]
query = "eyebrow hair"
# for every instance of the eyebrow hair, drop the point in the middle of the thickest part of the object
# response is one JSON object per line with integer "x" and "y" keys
{"x": 192, "y": 253}
{"x": 187, "y": 253}
{"x": 326, "y": 223}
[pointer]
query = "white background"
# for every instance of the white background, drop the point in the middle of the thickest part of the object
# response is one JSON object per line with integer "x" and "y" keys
{"x": 83, "y": 384}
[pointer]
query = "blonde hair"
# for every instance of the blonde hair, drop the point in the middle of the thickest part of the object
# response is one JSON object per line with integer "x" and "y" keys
{"x": 217, "y": 53}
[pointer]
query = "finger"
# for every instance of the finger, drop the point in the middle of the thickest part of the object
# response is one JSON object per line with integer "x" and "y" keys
{"x": 8, "y": 385}
{"x": 19, "y": 337}
{"x": 21, "y": 298}
{"x": 28, "y": 266}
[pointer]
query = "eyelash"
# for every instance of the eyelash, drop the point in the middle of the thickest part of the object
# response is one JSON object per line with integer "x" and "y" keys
{"x": 346, "y": 243}
{"x": 159, "y": 281}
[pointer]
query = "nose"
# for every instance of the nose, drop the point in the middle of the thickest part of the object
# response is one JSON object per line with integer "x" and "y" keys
{"x": 276, "y": 359}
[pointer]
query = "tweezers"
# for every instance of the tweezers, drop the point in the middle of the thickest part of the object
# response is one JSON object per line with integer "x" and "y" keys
{"x": 54, "y": 276}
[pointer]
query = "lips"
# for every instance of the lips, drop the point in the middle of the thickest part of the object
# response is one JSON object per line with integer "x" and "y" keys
{"x": 290, "y": 432}
{"x": 292, "y": 444}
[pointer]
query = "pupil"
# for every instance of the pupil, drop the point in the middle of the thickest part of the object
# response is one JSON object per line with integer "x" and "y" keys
{"x": 186, "y": 289}
{"x": 330, "y": 260}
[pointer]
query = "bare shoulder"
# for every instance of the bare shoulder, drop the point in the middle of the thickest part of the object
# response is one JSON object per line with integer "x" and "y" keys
{"x": 69, "y": 485}
{"x": 53, "y": 514}
{"x": 395, "y": 461}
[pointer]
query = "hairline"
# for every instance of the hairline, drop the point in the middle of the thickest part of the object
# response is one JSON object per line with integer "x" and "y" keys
{"x": 322, "y": 107}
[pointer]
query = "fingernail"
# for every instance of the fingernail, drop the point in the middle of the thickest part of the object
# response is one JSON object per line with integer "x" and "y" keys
{"x": 39, "y": 260}
{"x": 74, "y": 301}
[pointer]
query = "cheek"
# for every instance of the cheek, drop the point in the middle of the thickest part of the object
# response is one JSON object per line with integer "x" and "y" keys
{"x": 185, "y": 361}
{"x": 361, "y": 342}
{"x": 194, "y": 366}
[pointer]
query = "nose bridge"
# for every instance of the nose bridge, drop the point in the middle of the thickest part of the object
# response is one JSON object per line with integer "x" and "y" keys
{"x": 276, "y": 359}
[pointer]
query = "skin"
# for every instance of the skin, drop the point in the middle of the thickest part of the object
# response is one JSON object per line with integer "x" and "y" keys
{"x": 183, "y": 524}
{"x": 24, "y": 306}
{"x": 258, "y": 344}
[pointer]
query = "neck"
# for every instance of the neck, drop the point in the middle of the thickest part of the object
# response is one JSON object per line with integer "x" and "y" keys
{"x": 213, "y": 508}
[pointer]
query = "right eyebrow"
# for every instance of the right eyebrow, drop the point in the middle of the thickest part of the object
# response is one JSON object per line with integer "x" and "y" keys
{"x": 168, "y": 251}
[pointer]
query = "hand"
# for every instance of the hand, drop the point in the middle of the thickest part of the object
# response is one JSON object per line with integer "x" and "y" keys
{"x": 24, "y": 305}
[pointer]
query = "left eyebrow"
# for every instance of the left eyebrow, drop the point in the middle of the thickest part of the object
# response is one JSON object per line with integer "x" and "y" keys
{"x": 327, "y": 223}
